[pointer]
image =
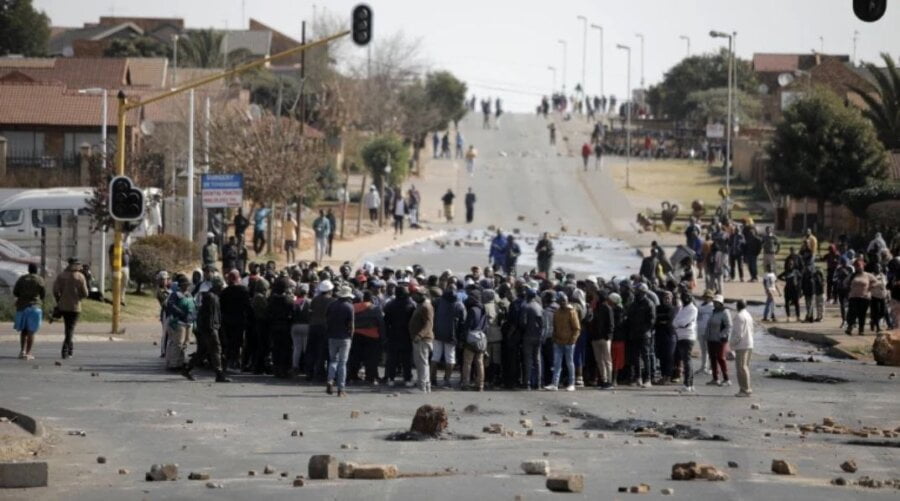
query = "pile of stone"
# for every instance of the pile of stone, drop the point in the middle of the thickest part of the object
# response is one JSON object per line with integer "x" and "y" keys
{"x": 829, "y": 426}
{"x": 693, "y": 470}
{"x": 327, "y": 467}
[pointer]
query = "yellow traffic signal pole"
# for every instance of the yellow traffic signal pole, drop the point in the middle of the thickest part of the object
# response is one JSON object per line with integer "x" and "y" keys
{"x": 125, "y": 106}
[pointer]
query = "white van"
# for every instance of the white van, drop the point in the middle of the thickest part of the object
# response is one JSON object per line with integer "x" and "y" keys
{"x": 23, "y": 215}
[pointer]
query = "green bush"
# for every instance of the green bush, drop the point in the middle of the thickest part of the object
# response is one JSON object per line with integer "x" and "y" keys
{"x": 859, "y": 199}
{"x": 150, "y": 255}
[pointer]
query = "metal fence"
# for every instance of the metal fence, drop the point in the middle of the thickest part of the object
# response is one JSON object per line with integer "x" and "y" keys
{"x": 44, "y": 161}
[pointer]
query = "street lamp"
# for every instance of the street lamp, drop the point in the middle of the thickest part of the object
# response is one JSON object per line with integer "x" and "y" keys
{"x": 584, "y": 22}
{"x": 600, "y": 29}
{"x": 174, "y": 59}
{"x": 641, "y": 36}
{"x": 821, "y": 44}
{"x": 628, "y": 105}
{"x": 94, "y": 91}
{"x": 565, "y": 50}
{"x": 729, "y": 123}
{"x": 688, "y": 40}
{"x": 553, "y": 69}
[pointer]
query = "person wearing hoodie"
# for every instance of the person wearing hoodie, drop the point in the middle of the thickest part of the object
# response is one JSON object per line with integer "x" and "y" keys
{"x": 601, "y": 333}
{"x": 832, "y": 261}
{"x": 792, "y": 278}
{"x": 449, "y": 327}
{"x": 398, "y": 313}
{"x": 476, "y": 321}
{"x": 685, "y": 325}
{"x": 367, "y": 337}
{"x": 718, "y": 332}
{"x": 532, "y": 319}
{"x": 421, "y": 332}
{"x": 641, "y": 319}
{"x": 237, "y": 318}
{"x": 664, "y": 336}
{"x": 549, "y": 307}
{"x": 619, "y": 337}
{"x": 566, "y": 329}
{"x": 279, "y": 318}
{"x": 339, "y": 328}
{"x": 209, "y": 323}
{"x": 69, "y": 289}
{"x": 742, "y": 344}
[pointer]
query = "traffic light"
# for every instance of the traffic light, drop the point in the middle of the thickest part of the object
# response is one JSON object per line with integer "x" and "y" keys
{"x": 126, "y": 203}
{"x": 362, "y": 24}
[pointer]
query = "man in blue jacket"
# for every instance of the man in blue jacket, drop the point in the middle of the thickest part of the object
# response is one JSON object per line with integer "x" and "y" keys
{"x": 497, "y": 255}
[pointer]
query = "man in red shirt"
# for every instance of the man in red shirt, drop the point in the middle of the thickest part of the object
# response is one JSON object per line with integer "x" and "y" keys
{"x": 586, "y": 151}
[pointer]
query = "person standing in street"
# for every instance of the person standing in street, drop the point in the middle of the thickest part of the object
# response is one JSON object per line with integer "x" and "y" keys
{"x": 241, "y": 223}
{"x": 470, "y": 206}
{"x": 544, "y": 251}
{"x": 770, "y": 287}
{"x": 339, "y": 326}
{"x": 333, "y": 222}
{"x": 566, "y": 329}
{"x": 718, "y": 332}
{"x": 181, "y": 312}
{"x": 210, "y": 251}
{"x": 209, "y": 323}
{"x": 412, "y": 203}
{"x": 704, "y": 313}
{"x": 641, "y": 319}
{"x": 598, "y": 155}
{"x": 447, "y": 199}
{"x": 321, "y": 228}
{"x": 459, "y": 144}
{"x": 770, "y": 247}
{"x": 372, "y": 202}
{"x": 68, "y": 290}
{"x": 421, "y": 331}
{"x": 290, "y": 238}
{"x": 752, "y": 248}
{"x": 473, "y": 355}
{"x": 299, "y": 326}
{"x": 29, "y": 292}
{"x": 532, "y": 339}
{"x": 436, "y": 144}
{"x": 861, "y": 283}
{"x": 234, "y": 301}
{"x": 399, "y": 211}
{"x": 497, "y": 252}
{"x": 586, "y": 151}
{"x": 449, "y": 327}
{"x": 260, "y": 224}
{"x": 471, "y": 155}
{"x": 398, "y": 313}
{"x": 685, "y": 324}
{"x": 513, "y": 251}
{"x": 742, "y": 344}
{"x": 601, "y": 329}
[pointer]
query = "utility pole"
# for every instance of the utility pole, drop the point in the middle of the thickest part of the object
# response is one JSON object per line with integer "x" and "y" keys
{"x": 175, "y": 60}
{"x": 189, "y": 194}
{"x": 628, "y": 105}
{"x": 553, "y": 69}
{"x": 565, "y": 50}
{"x": 855, "y": 37}
{"x": 299, "y": 208}
{"x": 729, "y": 123}
{"x": 600, "y": 29}
{"x": 584, "y": 54}
{"x": 641, "y": 36}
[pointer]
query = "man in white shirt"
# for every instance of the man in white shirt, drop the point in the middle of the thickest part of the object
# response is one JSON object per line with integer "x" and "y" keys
{"x": 704, "y": 311}
{"x": 742, "y": 344}
{"x": 372, "y": 201}
{"x": 399, "y": 214}
{"x": 685, "y": 324}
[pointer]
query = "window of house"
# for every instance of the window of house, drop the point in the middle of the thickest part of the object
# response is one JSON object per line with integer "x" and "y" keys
{"x": 23, "y": 143}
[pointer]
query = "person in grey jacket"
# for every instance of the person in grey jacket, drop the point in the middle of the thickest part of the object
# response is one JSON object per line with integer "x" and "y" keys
{"x": 532, "y": 327}
{"x": 718, "y": 331}
{"x": 449, "y": 327}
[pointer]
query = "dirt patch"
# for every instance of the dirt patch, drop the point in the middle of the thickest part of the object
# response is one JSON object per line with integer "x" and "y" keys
{"x": 808, "y": 378}
{"x": 632, "y": 425}
{"x": 412, "y": 436}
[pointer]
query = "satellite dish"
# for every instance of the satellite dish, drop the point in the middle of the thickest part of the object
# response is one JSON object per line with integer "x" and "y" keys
{"x": 763, "y": 89}
{"x": 255, "y": 112}
{"x": 147, "y": 127}
{"x": 785, "y": 79}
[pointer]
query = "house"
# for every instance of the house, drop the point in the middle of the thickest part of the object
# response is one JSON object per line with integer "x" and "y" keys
{"x": 92, "y": 39}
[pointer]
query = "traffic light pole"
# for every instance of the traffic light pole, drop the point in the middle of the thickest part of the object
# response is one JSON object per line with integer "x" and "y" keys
{"x": 125, "y": 106}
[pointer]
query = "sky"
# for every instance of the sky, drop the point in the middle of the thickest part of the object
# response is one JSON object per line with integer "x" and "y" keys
{"x": 502, "y": 48}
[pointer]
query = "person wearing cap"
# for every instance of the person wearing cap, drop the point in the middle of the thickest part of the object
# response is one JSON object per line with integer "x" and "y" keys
{"x": 372, "y": 201}
{"x": 473, "y": 355}
{"x": 29, "y": 291}
{"x": 209, "y": 321}
{"x": 210, "y": 251}
{"x": 181, "y": 312}
{"x": 317, "y": 343}
{"x": 398, "y": 313}
{"x": 449, "y": 327}
{"x": 421, "y": 332}
{"x": 69, "y": 289}
{"x": 299, "y": 325}
{"x": 718, "y": 332}
{"x": 742, "y": 344}
{"x": 704, "y": 312}
{"x": 236, "y": 317}
{"x": 548, "y": 307}
{"x": 566, "y": 329}
{"x": 339, "y": 327}
{"x": 641, "y": 319}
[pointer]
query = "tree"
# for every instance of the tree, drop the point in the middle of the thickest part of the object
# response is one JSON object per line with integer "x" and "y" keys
{"x": 448, "y": 95}
{"x": 141, "y": 46}
{"x": 204, "y": 49}
{"x": 420, "y": 116}
{"x": 381, "y": 151}
{"x": 822, "y": 148}
{"x": 884, "y": 109}
{"x": 23, "y": 30}
{"x": 698, "y": 73}
{"x": 711, "y": 105}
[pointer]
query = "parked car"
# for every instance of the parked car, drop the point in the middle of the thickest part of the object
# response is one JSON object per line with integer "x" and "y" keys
{"x": 12, "y": 253}
{"x": 9, "y": 273}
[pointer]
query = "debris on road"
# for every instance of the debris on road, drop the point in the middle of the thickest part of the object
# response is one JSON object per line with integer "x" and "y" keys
{"x": 162, "y": 472}
{"x": 101, "y": 460}
{"x": 195, "y": 475}
{"x": 693, "y": 470}
{"x": 566, "y": 483}
{"x": 792, "y": 358}
{"x": 323, "y": 467}
{"x": 375, "y": 471}
{"x": 732, "y": 464}
{"x": 634, "y": 425}
{"x": 536, "y": 467}
{"x": 354, "y": 414}
{"x": 849, "y": 466}
{"x": 639, "y": 489}
{"x": 807, "y": 378}
{"x": 429, "y": 420}
{"x": 299, "y": 482}
{"x": 214, "y": 485}
{"x": 268, "y": 470}
{"x": 839, "y": 481}
{"x": 285, "y": 416}
{"x": 782, "y": 467}
{"x": 296, "y": 433}
{"x": 667, "y": 491}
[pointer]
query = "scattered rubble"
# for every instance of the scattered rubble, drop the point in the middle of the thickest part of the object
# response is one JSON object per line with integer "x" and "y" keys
{"x": 323, "y": 467}
{"x": 792, "y": 358}
{"x": 296, "y": 433}
{"x": 268, "y": 470}
{"x": 732, "y": 464}
{"x": 839, "y": 481}
{"x": 429, "y": 420}
{"x": 375, "y": 471}
{"x": 566, "y": 483}
{"x": 639, "y": 489}
{"x": 299, "y": 482}
{"x": 471, "y": 409}
{"x": 162, "y": 472}
{"x": 782, "y": 467}
{"x": 634, "y": 425}
{"x": 807, "y": 378}
{"x": 354, "y": 414}
{"x": 285, "y": 416}
{"x": 101, "y": 460}
{"x": 194, "y": 475}
{"x": 526, "y": 423}
{"x": 667, "y": 491}
{"x": 536, "y": 467}
{"x": 123, "y": 471}
{"x": 214, "y": 485}
{"x": 849, "y": 466}
{"x": 693, "y": 470}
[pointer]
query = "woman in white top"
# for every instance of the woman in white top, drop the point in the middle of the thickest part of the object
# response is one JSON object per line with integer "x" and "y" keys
{"x": 742, "y": 344}
{"x": 685, "y": 324}
{"x": 704, "y": 312}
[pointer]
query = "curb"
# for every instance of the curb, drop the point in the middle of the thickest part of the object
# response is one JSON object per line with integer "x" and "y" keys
{"x": 833, "y": 347}
{"x": 14, "y": 475}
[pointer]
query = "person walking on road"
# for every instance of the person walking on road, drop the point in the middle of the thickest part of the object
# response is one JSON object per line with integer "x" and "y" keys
{"x": 498, "y": 110}
{"x": 332, "y": 221}
{"x": 69, "y": 289}
{"x": 372, "y": 201}
{"x": 209, "y": 323}
{"x": 742, "y": 344}
{"x": 770, "y": 287}
{"x": 552, "y": 129}
{"x": 470, "y": 206}
{"x": 447, "y": 199}
{"x": 471, "y": 155}
{"x": 598, "y": 155}
{"x": 339, "y": 330}
{"x": 29, "y": 292}
{"x": 544, "y": 251}
{"x": 322, "y": 228}
{"x": 586, "y": 151}
{"x": 436, "y": 144}
{"x": 412, "y": 203}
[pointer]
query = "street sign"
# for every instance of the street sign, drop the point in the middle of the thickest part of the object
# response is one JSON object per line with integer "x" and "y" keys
{"x": 715, "y": 131}
{"x": 221, "y": 191}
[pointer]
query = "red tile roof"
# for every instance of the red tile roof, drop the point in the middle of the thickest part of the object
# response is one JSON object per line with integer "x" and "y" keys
{"x": 76, "y": 73}
{"x": 54, "y": 104}
{"x": 775, "y": 62}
